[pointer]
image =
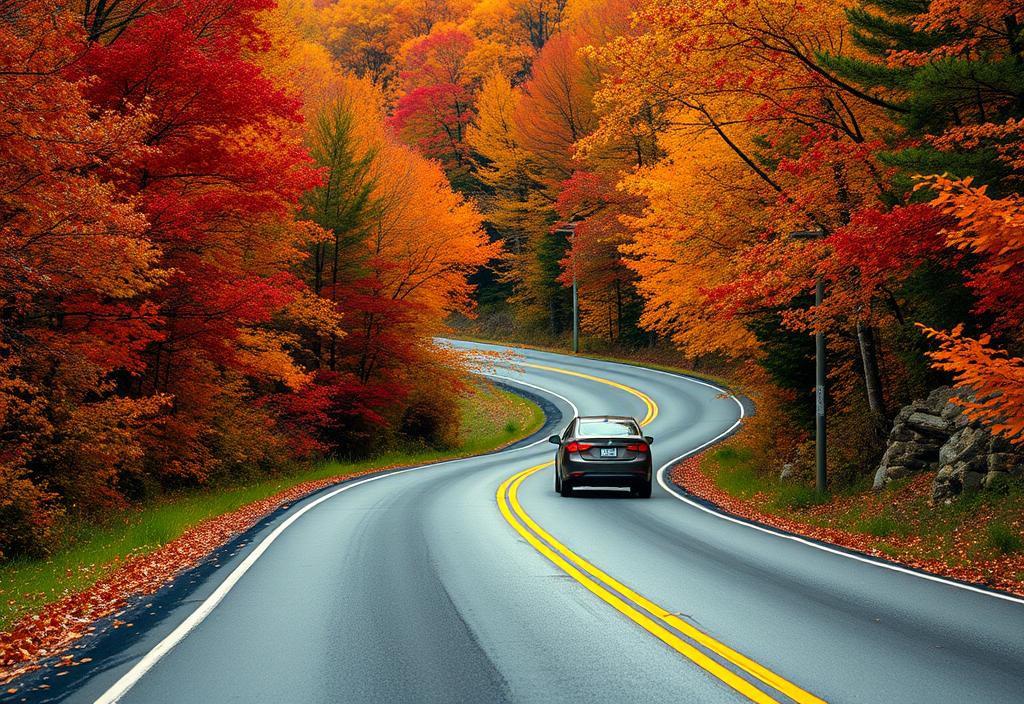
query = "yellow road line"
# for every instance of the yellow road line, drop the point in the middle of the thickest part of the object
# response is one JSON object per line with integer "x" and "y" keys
{"x": 742, "y": 661}
{"x": 652, "y": 407}
{"x": 512, "y": 510}
{"x": 644, "y": 621}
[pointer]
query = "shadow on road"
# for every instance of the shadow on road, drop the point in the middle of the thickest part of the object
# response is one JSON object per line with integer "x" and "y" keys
{"x": 587, "y": 493}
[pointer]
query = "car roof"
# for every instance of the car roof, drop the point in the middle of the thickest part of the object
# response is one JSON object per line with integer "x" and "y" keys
{"x": 607, "y": 418}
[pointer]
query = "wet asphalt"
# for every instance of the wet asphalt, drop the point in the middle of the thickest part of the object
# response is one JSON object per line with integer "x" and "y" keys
{"x": 414, "y": 588}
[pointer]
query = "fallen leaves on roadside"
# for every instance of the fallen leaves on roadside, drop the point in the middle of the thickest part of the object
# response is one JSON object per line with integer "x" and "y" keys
{"x": 998, "y": 572}
{"x": 58, "y": 624}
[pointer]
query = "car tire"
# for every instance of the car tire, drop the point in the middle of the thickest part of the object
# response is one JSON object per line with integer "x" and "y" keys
{"x": 566, "y": 488}
{"x": 558, "y": 481}
{"x": 643, "y": 490}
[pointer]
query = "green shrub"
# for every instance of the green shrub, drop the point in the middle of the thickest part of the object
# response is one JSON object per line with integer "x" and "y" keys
{"x": 1004, "y": 538}
{"x": 798, "y": 496}
{"x": 880, "y": 526}
{"x": 734, "y": 472}
{"x": 731, "y": 455}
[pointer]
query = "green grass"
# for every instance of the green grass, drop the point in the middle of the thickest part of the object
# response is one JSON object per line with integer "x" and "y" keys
{"x": 491, "y": 419}
{"x": 879, "y": 526}
{"x": 494, "y": 418}
{"x": 1003, "y": 538}
{"x": 736, "y": 474}
{"x": 797, "y": 496}
{"x": 887, "y": 549}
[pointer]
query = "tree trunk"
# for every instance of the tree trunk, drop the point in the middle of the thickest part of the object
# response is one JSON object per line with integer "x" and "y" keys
{"x": 865, "y": 334}
{"x": 555, "y": 321}
{"x": 618, "y": 309}
{"x": 872, "y": 378}
{"x": 318, "y": 284}
{"x": 334, "y": 297}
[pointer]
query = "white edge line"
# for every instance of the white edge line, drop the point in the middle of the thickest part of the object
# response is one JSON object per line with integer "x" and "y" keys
{"x": 877, "y": 562}
{"x": 130, "y": 678}
{"x": 810, "y": 543}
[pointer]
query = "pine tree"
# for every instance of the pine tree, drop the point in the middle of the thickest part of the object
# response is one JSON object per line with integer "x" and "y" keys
{"x": 938, "y": 73}
{"x": 343, "y": 206}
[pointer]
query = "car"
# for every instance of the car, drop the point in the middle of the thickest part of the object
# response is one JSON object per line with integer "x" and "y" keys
{"x": 603, "y": 451}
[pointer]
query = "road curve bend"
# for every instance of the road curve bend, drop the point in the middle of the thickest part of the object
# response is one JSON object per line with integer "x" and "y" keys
{"x": 472, "y": 581}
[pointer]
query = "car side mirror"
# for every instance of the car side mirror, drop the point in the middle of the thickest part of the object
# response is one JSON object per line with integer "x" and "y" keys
{"x": 648, "y": 439}
{"x": 555, "y": 440}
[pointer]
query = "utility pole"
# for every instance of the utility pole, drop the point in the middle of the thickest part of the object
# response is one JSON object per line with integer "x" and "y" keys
{"x": 820, "y": 438}
{"x": 575, "y": 312}
{"x": 569, "y": 230}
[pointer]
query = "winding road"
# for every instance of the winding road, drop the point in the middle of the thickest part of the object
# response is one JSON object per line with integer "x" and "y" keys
{"x": 472, "y": 581}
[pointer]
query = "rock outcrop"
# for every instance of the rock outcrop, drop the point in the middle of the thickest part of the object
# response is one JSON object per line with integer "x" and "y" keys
{"x": 935, "y": 434}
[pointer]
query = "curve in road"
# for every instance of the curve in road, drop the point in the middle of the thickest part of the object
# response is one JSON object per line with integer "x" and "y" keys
{"x": 412, "y": 587}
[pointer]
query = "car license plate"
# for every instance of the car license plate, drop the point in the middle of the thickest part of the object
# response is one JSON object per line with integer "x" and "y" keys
{"x": 608, "y": 452}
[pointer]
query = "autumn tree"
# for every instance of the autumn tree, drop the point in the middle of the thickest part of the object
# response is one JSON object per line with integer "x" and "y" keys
{"x": 503, "y": 165}
{"x": 211, "y": 246}
{"x": 76, "y": 269}
{"x": 752, "y": 81}
{"x": 436, "y": 106}
{"x": 531, "y": 22}
{"x": 609, "y": 304}
{"x": 558, "y": 99}
{"x": 364, "y": 37}
{"x": 993, "y": 230}
{"x": 951, "y": 77}
{"x": 395, "y": 265}
{"x": 422, "y": 15}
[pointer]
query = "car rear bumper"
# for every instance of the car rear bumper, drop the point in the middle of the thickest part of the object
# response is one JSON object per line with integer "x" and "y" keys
{"x": 607, "y": 473}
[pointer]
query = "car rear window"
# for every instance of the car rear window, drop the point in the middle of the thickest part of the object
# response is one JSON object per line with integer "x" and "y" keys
{"x": 610, "y": 428}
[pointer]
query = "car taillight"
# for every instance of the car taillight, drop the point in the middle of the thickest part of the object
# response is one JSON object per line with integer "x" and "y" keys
{"x": 577, "y": 446}
{"x": 638, "y": 447}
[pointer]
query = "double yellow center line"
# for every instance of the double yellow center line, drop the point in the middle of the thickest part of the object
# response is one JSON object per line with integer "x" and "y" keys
{"x": 652, "y": 407}
{"x": 746, "y": 676}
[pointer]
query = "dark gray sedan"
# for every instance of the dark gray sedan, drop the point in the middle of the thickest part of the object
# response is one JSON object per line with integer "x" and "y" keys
{"x": 603, "y": 451}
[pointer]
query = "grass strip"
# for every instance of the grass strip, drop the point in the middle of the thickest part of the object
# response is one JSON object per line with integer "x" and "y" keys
{"x": 491, "y": 419}
{"x": 978, "y": 537}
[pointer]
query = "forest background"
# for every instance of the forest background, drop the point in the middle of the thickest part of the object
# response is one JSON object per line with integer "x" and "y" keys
{"x": 231, "y": 229}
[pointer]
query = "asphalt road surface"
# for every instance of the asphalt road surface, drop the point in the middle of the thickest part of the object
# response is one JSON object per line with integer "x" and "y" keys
{"x": 472, "y": 581}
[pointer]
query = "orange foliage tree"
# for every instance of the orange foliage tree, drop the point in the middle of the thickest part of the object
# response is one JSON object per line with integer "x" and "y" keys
{"x": 157, "y": 329}
{"x": 764, "y": 140}
{"x": 525, "y": 141}
{"x": 992, "y": 229}
{"x": 400, "y": 247}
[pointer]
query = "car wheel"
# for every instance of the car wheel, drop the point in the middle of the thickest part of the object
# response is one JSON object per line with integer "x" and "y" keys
{"x": 558, "y": 481}
{"x": 566, "y": 488}
{"x": 643, "y": 490}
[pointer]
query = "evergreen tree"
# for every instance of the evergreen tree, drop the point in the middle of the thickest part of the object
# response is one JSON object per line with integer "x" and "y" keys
{"x": 937, "y": 73}
{"x": 343, "y": 205}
